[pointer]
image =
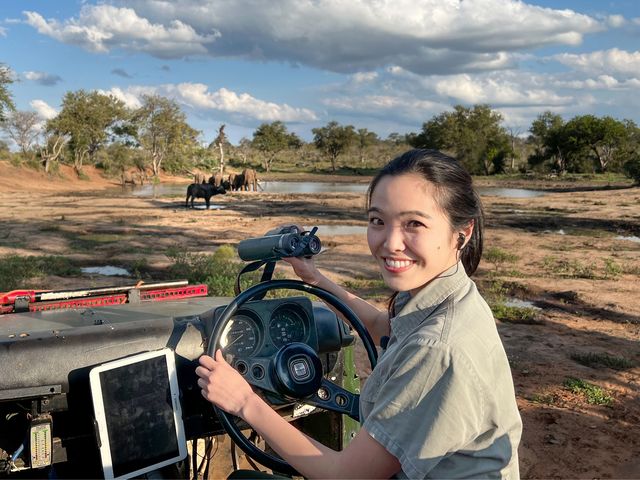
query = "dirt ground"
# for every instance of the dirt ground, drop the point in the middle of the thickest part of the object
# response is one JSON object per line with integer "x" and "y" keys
{"x": 578, "y": 261}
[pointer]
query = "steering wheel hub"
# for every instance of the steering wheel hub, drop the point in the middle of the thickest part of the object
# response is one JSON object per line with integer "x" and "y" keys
{"x": 297, "y": 370}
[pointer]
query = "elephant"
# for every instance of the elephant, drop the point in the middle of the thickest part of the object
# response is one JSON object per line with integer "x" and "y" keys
{"x": 216, "y": 179}
{"x": 135, "y": 178}
{"x": 247, "y": 180}
{"x": 250, "y": 178}
{"x": 202, "y": 190}
{"x": 199, "y": 178}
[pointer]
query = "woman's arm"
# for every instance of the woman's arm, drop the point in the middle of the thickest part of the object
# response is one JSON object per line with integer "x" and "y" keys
{"x": 363, "y": 458}
{"x": 376, "y": 320}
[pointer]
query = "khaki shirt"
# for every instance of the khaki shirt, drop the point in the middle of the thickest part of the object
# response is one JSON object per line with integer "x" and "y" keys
{"x": 441, "y": 399}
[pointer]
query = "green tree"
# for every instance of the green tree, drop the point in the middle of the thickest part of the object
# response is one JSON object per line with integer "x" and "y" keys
{"x": 89, "y": 120}
{"x": 364, "y": 140}
{"x": 162, "y": 131}
{"x": 599, "y": 138}
{"x": 272, "y": 138}
{"x": 474, "y": 135}
{"x": 334, "y": 139}
{"x": 6, "y": 100}
{"x": 548, "y": 136}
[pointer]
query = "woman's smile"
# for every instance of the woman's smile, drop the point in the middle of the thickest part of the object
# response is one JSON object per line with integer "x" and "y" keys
{"x": 397, "y": 266}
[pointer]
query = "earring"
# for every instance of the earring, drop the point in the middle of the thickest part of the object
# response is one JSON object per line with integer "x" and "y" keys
{"x": 461, "y": 240}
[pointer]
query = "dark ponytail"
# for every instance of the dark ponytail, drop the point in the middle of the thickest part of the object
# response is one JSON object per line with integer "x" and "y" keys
{"x": 455, "y": 194}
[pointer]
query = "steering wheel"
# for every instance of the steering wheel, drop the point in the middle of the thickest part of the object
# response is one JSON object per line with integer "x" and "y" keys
{"x": 295, "y": 372}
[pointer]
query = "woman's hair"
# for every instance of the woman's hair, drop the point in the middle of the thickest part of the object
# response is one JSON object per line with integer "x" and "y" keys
{"x": 454, "y": 194}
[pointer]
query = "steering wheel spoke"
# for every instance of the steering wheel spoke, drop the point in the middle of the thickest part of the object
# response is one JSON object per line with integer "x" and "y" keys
{"x": 333, "y": 397}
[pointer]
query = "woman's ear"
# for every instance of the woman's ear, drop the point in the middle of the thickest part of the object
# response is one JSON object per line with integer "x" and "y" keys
{"x": 464, "y": 235}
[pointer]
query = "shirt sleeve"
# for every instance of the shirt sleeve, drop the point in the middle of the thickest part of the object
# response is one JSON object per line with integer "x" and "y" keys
{"x": 428, "y": 406}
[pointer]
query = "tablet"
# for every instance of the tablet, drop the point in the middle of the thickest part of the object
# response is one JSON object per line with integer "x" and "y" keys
{"x": 138, "y": 415}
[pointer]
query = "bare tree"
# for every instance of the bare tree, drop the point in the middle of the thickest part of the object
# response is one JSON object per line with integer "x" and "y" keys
{"x": 514, "y": 132}
{"x": 23, "y": 128}
{"x": 49, "y": 153}
{"x": 220, "y": 141}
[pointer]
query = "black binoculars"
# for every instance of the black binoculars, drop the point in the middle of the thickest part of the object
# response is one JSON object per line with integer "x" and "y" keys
{"x": 280, "y": 243}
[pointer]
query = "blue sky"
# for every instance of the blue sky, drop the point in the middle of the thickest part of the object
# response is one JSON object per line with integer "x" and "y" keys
{"x": 384, "y": 65}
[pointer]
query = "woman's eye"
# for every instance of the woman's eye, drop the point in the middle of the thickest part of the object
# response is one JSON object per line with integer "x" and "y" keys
{"x": 375, "y": 221}
{"x": 414, "y": 224}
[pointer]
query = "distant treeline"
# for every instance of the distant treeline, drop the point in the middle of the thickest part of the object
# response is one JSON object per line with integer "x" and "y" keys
{"x": 99, "y": 129}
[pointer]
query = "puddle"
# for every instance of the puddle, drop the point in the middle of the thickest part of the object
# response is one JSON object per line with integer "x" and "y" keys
{"x": 516, "y": 302}
{"x": 631, "y": 238}
{"x": 179, "y": 189}
{"x": 330, "y": 230}
{"x": 107, "y": 270}
{"x": 204, "y": 207}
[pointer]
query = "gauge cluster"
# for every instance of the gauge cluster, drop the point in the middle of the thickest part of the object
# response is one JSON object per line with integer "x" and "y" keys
{"x": 262, "y": 327}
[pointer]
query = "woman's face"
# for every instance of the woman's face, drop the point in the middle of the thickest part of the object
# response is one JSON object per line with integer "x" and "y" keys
{"x": 409, "y": 236}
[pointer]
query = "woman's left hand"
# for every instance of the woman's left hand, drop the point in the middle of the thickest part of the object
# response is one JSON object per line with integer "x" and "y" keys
{"x": 222, "y": 385}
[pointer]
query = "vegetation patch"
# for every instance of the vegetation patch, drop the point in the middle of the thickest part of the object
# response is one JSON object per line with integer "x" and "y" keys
{"x": 498, "y": 257}
{"x": 520, "y": 315}
{"x": 597, "y": 360}
{"x": 17, "y": 272}
{"x": 593, "y": 394}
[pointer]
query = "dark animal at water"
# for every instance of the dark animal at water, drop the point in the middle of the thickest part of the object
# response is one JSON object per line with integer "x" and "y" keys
{"x": 202, "y": 190}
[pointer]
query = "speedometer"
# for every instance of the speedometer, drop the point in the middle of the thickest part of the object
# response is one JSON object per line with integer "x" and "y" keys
{"x": 287, "y": 325}
{"x": 240, "y": 336}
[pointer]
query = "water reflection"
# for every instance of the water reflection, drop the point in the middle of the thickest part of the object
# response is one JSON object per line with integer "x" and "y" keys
{"x": 179, "y": 189}
{"x": 106, "y": 270}
{"x": 516, "y": 302}
{"x": 631, "y": 238}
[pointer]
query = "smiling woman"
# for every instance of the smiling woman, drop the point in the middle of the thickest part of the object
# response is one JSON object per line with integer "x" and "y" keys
{"x": 440, "y": 402}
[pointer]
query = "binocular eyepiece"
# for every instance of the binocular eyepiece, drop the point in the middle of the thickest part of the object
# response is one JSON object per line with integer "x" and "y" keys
{"x": 280, "y": 243}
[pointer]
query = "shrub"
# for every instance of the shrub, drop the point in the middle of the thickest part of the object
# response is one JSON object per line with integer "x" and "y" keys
{"x": 595, "y": 360}
{"x": 592, "y": 393}
{"x": 632, "y": 169}
{"x": 498, "y": 256}
{"x": 17, "y": 271}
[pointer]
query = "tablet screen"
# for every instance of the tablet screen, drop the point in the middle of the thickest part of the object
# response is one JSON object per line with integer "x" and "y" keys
{"x": 138, "y": 414}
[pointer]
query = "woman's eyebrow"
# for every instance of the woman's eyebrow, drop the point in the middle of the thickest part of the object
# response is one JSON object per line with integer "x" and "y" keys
{"x": 406, "y": 213}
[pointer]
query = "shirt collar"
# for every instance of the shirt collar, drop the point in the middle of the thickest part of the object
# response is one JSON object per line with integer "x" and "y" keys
{"x": 414, "y": 310}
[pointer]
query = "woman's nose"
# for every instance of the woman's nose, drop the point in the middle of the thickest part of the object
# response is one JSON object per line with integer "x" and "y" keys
{"x": 394, "y": 240}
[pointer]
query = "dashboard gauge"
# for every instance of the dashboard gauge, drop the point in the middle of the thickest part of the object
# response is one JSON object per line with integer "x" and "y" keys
{"x": 240, "y": 336}
{"x": 287, "y": 325}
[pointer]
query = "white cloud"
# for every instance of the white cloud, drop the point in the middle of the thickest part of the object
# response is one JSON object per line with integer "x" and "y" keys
{"x": 100, "y": 28}
{"x": 424, "y": 36}
{"x": 42, "y": 78}
{"x": 606, "y": 62}
{"x": 496, "y": 90}
{"x": 43, "y": 109}
{"x": 615, "y": 21}
{"x": 197, "y": 96}
{"x": 3, "y": 32}
{"x": 131, "y": 97}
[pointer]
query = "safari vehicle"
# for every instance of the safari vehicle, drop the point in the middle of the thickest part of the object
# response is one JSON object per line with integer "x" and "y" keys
{"x": 101, "y": 382}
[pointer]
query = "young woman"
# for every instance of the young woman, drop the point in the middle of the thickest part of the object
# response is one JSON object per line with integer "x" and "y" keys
{"x": 440, "y": 403}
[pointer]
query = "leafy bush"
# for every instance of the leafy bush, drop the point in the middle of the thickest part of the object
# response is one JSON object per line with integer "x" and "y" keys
{"x": 632, "y": 169}
{"x": 16, "y": 271}
{"x": 498, "y": 256}
{"x": 218, "y": 270}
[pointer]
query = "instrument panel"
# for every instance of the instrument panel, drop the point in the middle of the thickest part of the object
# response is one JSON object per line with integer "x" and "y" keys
{"x": 261, "y": 328}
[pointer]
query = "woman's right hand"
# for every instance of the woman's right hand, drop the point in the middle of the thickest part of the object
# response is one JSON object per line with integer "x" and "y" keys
{"x": 305, "y": 269}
